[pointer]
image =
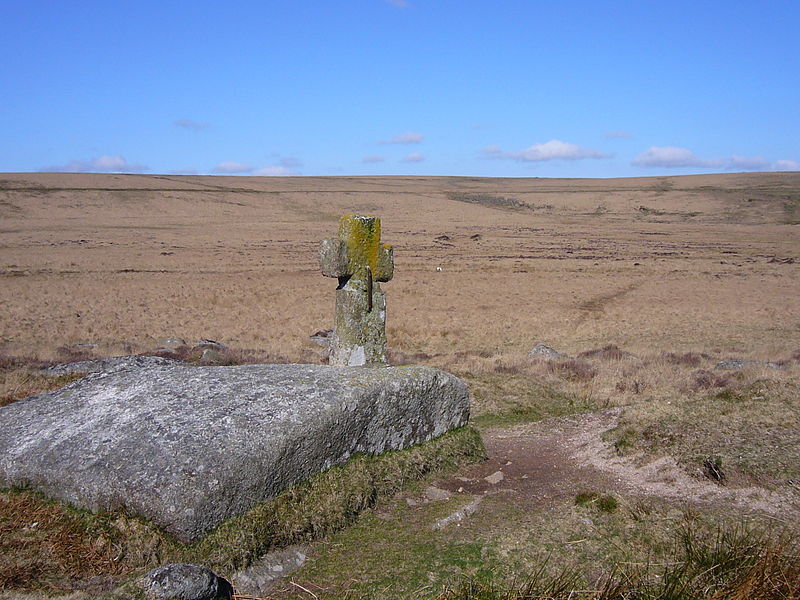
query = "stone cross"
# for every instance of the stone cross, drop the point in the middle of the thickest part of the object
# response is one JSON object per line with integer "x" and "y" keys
{"x": 358, "y": 259}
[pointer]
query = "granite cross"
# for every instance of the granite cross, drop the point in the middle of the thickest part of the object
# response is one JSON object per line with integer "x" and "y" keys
{"x": 359, "y": 261}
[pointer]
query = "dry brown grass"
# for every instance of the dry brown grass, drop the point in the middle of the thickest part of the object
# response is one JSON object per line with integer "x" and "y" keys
{"x": 21, "y": 377}
{"x": 644, "y": 283}
{"x": 44, "y": 543}
{"x": 235, "y": 259}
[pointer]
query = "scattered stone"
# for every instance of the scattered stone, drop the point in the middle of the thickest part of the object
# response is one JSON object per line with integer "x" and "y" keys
{"x": 547, "y": 352}
{"x": 110, "y": 365}
{"x": 359, "y": 261}
{"x": 173, "y": 343}
{"x": 495, "y": 477}
{"x": 260, "y": 577}
{"x": 736, "y": 364}
{"x": 435, "y": 494}
{"x": 206, "y": 343}
{"x": 476, "y": 237}
{"x": 166, "y": 352}
{"x": 459, "y": 515}
{"x": 322, "y": 337}
{"x": 187, "y": 447}
{"x": 211, "y": 356}
{"x": 181, "y": 581}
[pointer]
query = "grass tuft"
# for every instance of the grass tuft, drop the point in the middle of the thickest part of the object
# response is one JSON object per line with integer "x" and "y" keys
{"x": 575, "y": 369}
{"x": 702, "y": 379}
{"x": 608, "y": 352}
{"x": 735, "y": 563}
{"x": 49, "y": 545}
{"x": 602, "y": 502}
{"x": 685, "y": 359}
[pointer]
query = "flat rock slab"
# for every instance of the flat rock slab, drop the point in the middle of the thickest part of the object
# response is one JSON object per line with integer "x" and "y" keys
{"x": 188, "y": 447}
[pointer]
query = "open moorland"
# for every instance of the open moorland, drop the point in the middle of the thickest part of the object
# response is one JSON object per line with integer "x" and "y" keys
{"x": 634, "y": 459}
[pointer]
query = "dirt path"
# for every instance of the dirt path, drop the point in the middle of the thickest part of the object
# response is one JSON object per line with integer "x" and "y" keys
{"x": 545, "y": 462}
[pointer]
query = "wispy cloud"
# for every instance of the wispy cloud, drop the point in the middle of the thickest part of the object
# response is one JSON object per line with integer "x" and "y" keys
{"x": 186, "y": 171}
{"x": 619, "y": 134}
{"x": 102, "y": 164}
{"x": 409, "y": 137}
{"x": 283, "y": 166}
{"x": 747, "y": 163}
{"x": 231, "y": 167}
{"x": 190, "y": 124}
{"x": 373, "y": 159}
{"x": 275, "y": 171}
{"x": 669, "y": 157}
{"x": 414, "y": 157}
{"x": 786, "y": 164}
{"x": 552, "y": 150}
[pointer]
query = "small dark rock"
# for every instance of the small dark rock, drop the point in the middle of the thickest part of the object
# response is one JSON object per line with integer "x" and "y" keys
{"x": 322, "y": 337}
{"x": 712, "y": 468}
{"x": 180, "y": 581}
{"x": 204, "y": 343}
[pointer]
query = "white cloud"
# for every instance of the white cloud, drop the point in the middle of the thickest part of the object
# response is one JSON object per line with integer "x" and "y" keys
{"x": 786, "y": 165}
{"x": 676, "y": 157}
{"x": 414, "y": 157}
{"x": 552, "y": 150}
{"x": 189, "y": 124}
{"x": 746, "y": 163}
{"x": 671, "y": 156}
{"x": 275, "y": 171}
{"x": 619, "y": 134}
{"x": 373, "y": 159}
{"x": 186, "y": 171}
{"x": 409, "y": 137}
{"x": 100, "y": 164}
{"x": 232, "y": 167}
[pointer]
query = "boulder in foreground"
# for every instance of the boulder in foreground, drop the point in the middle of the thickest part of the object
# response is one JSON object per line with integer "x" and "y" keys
{"x": 188, "y": 447}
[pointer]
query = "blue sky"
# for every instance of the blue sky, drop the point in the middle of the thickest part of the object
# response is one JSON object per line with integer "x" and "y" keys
{"x": 406, "y": 87}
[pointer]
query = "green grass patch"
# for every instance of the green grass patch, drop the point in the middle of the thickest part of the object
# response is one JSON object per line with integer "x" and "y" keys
{"x": 644, "y": 549}
{"x": 121, "y": 545}
{"x": 506, "y": 399}
{"x": 601, "y": 502}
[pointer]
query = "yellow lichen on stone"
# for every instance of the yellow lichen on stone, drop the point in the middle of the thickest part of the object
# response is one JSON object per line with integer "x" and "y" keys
{"x": 362, "y": 235}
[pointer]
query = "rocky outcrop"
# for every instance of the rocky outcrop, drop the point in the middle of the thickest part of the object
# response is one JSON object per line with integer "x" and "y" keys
{"x": 188, "y": 447}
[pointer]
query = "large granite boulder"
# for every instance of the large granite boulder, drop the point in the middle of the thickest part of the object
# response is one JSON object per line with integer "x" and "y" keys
{"x": 188, "y": 447}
